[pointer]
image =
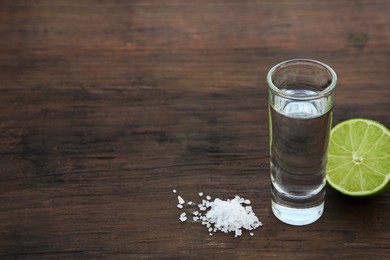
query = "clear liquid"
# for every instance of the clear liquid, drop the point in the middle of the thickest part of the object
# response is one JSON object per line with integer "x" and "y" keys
{"x": 299, "y": 140}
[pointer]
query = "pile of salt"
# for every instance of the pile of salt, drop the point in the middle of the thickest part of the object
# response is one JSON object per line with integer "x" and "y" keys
{"x": 225, "y": 216}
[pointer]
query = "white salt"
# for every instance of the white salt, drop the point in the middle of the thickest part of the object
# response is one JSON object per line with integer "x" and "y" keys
{"x": 183, "y": 217}
{"x": 180, "y": 199}
{"x": 232, "y": 215}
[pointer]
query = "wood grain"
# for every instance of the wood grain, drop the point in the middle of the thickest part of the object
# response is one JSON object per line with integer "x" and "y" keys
{"x": 106, "y": 106}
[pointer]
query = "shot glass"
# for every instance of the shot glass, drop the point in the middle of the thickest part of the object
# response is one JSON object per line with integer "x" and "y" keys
{"x": 300, "y": 103}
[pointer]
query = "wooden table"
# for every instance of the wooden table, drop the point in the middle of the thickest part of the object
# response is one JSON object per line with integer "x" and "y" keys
{"x": 106, "y": 106}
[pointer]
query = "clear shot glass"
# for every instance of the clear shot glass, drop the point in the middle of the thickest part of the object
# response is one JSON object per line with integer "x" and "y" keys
{"x": 300, "y": 102}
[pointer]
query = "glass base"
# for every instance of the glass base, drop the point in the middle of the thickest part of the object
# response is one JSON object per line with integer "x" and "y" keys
{"x": 297, "y": 217}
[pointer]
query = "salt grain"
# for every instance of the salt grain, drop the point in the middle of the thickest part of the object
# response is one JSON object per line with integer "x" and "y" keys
{"x": 208, "y": 197}
{"x": 189, "y": 203}
{"x": 179, "y": 206}
{"x": 238, "y": 232}
{"x": 200, "y": 194}
{"x": 180, "y": 199}
{"x": 174, "y": 191}
{"x": 183, "y": 217}
{"x": 251, "y": 234}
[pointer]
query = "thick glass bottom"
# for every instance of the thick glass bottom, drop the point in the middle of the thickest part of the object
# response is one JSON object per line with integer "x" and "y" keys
{"x": 296, "y": 216}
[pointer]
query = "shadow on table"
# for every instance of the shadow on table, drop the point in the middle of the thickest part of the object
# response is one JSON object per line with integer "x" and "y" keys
{"x": 349, "y": 209}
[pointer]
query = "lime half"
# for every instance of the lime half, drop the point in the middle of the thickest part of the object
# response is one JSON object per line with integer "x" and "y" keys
{"x": 359, "y": 157}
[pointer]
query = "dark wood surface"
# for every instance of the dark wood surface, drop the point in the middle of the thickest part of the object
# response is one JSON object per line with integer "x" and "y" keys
{"x": 106, "y": 106}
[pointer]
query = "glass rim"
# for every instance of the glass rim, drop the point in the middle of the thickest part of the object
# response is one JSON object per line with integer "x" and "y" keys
{"x": 325, "y": 92}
